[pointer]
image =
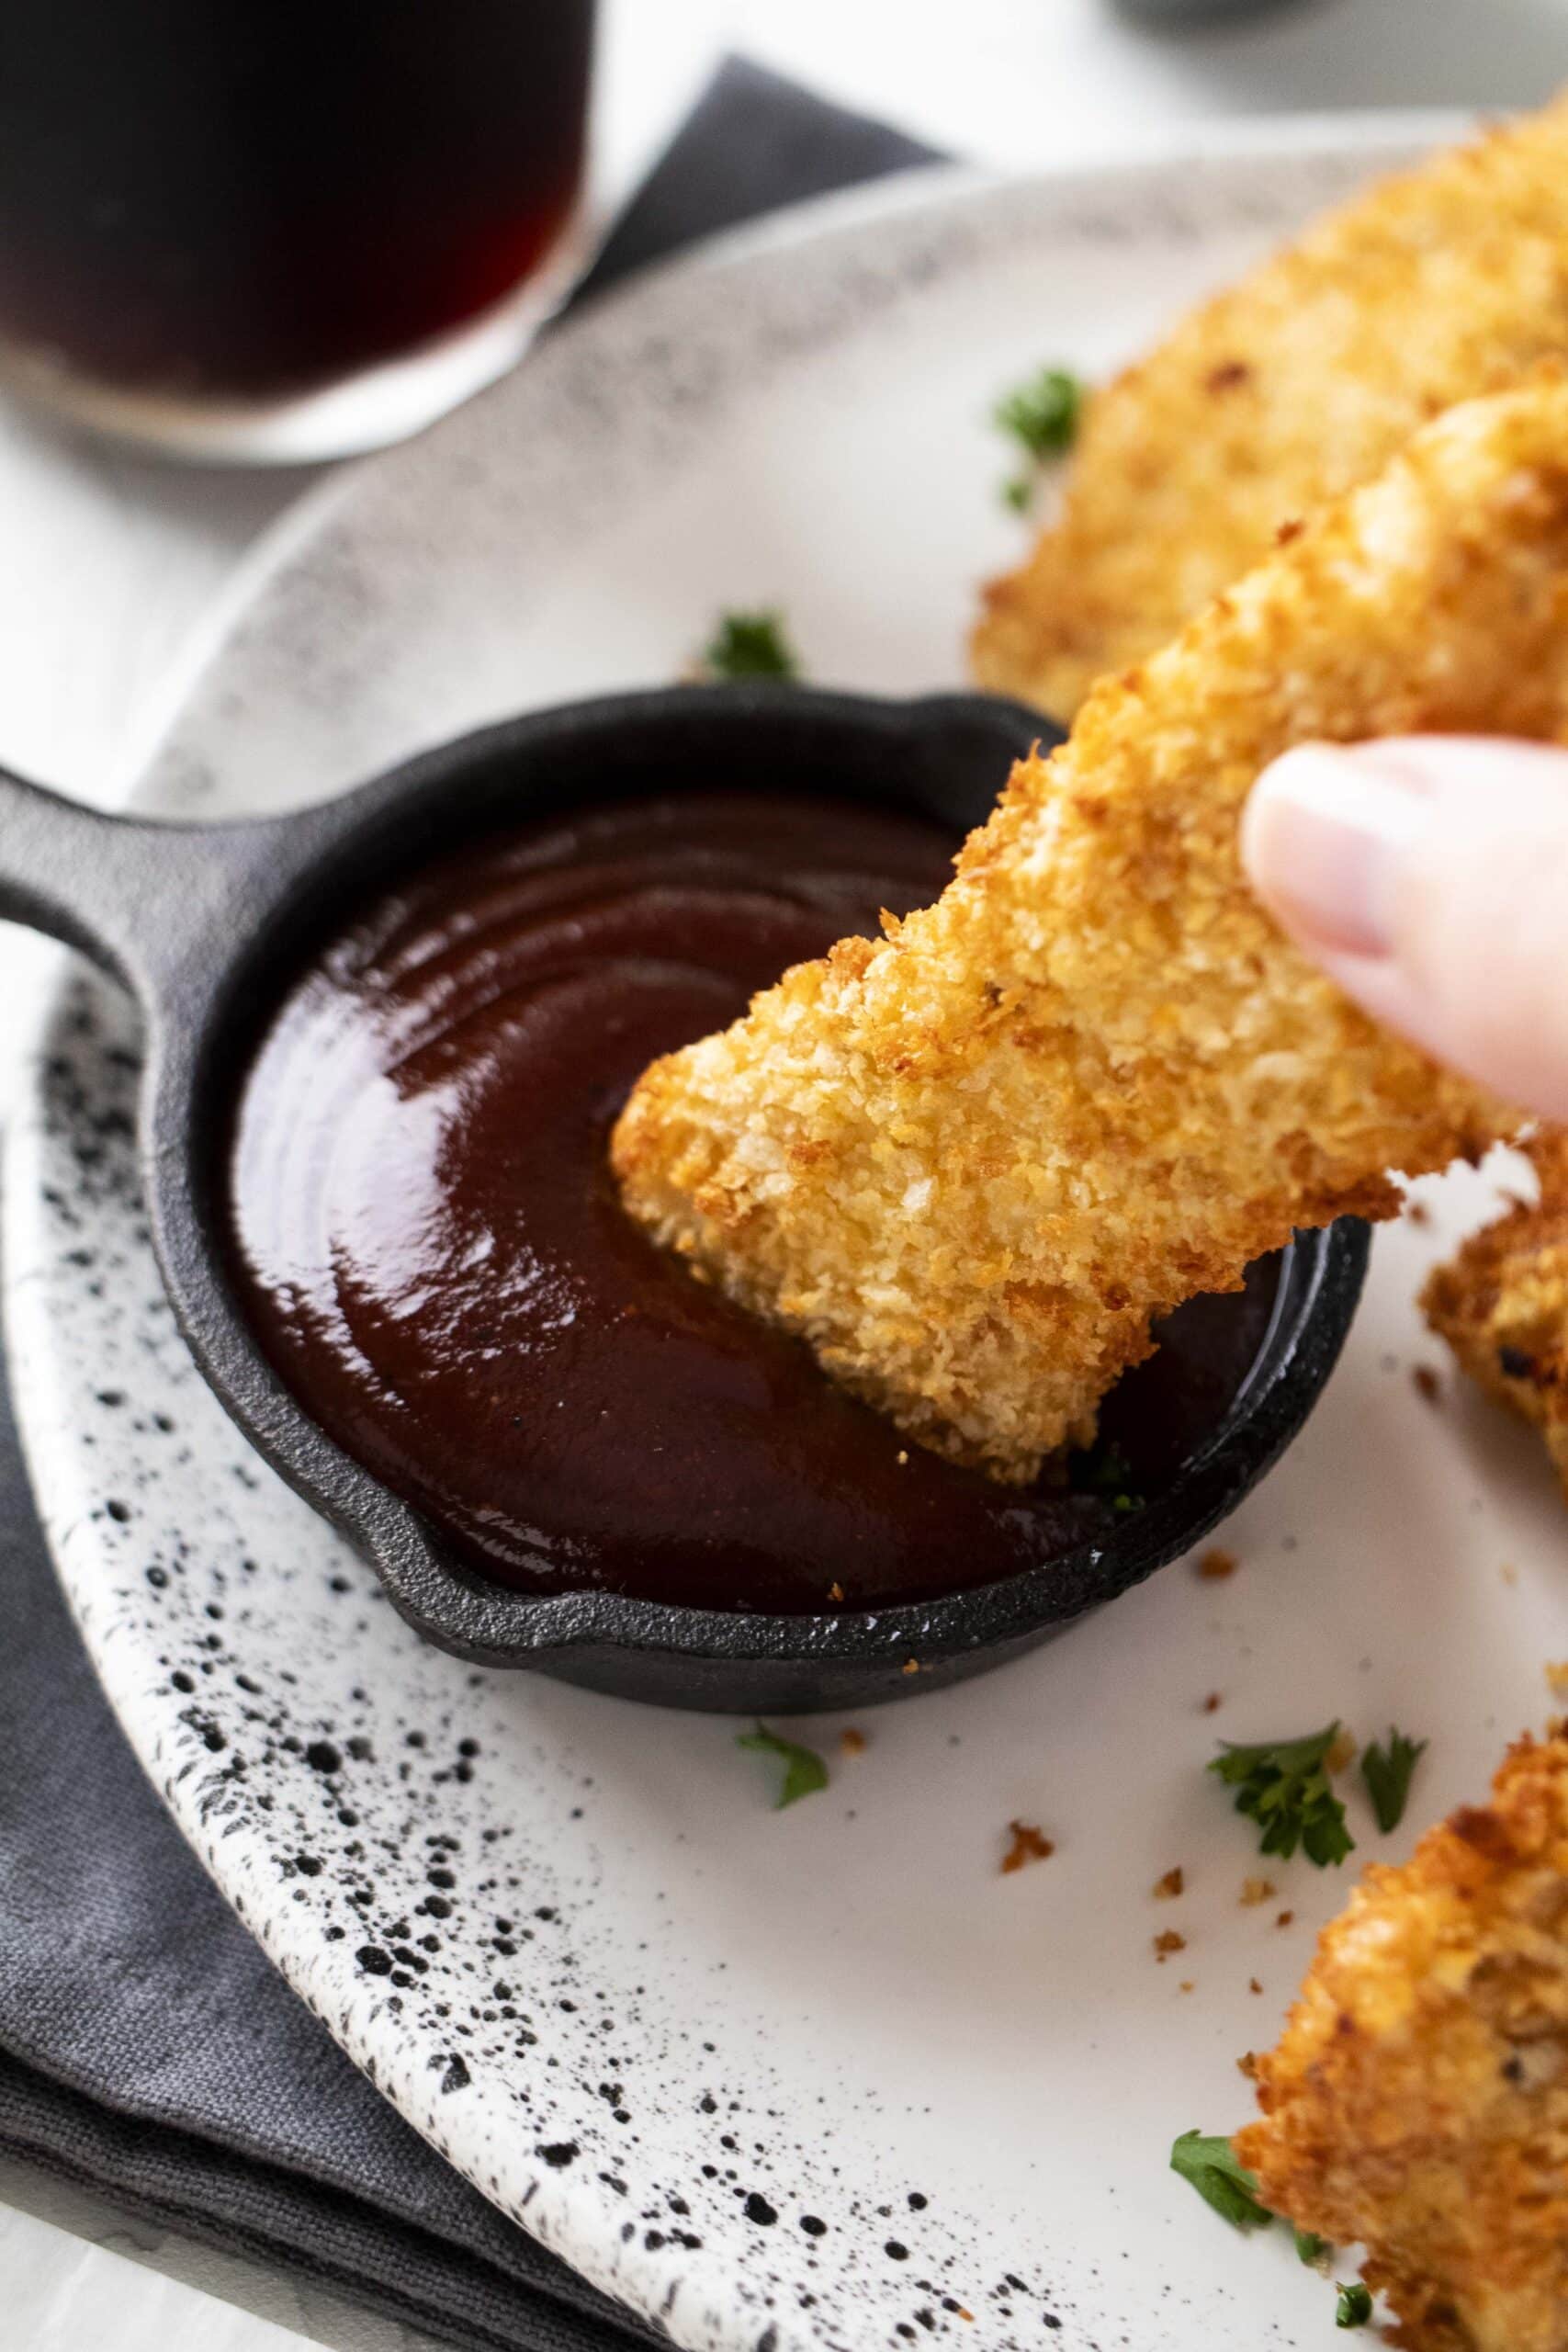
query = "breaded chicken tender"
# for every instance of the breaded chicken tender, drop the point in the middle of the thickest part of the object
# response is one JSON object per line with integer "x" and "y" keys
{"x": 1417, "y": 2101}
{"x": 970, "y": 1162}
{"x": 1502, "y": 1302}
{"x": 1293, "y": 387}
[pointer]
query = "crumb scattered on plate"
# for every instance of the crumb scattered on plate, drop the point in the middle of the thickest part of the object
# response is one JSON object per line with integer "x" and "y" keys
{"x": 1028, "y": 1846}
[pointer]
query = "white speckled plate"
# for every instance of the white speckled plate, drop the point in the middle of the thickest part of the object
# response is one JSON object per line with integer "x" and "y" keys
{"x": 824, "y": 2077}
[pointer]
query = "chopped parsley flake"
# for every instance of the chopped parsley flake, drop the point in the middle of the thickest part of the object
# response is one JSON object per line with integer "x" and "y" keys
{"x": 750, "y": 645}
{"x": 1283, "y": 1786}
{"x": 1042, "y": 412}
{"x": 1210, "y": 2163}
{"x": 1354, "y": 2307}
{"x": 1386, "y": 1772}
{"x": 805, "y": 1771}
{"x": 1105, "y": 1470}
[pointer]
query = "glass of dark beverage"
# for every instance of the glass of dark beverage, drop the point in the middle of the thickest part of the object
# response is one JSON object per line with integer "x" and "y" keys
{"x": 282, "y": 228}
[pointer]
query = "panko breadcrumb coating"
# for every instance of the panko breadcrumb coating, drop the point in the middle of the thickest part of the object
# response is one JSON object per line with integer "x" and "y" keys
{"x": 1293, "y": 387}
{"x": 970, "y": 1164}
{"x": 1501, "y": 1301}
{"x": 1417, "y": 2101}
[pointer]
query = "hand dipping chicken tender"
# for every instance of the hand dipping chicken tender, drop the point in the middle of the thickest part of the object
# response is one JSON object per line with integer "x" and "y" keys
{"x": 971, "y": 1163}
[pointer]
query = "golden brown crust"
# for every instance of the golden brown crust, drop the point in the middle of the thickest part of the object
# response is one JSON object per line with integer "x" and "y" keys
{"x": 971, "y": 1162}
{"x": 1417, "y": 2100}
{"x": 1501, "y": 1301}
{"x": 1295, "y": 386}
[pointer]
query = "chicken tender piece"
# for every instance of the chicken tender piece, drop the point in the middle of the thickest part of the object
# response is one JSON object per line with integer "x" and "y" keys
{"x": 1295, "y": 387}
{"x": 1502, "y": 1302}
{"x": 971, "y": 1162}
{"x": 1417, "y": 2101}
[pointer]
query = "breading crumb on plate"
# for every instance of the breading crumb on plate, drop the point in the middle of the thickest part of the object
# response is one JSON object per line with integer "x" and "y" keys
{"x": 1417, "y": 2100}
{"x": 1028, "y": 1845}
{"x": 1502, "y": 1301}
{"x": 971, "y": 1163}
{"x": 1293, "y": 386}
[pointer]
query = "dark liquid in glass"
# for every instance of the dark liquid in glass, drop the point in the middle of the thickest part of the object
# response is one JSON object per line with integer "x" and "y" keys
{"x": 251, "y": 196}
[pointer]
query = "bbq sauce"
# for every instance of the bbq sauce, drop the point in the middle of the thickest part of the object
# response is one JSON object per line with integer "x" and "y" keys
{"x": 428, "y": 1242}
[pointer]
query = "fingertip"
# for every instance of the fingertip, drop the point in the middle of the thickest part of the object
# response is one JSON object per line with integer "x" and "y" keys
{"x": 1324, "y": 836}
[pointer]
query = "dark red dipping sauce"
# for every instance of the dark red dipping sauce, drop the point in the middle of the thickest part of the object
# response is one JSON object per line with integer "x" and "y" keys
{"x": 427, "y": 1240}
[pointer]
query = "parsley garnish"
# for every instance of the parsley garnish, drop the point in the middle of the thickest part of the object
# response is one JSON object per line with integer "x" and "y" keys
{"x": 805, "y": 1771}
{"x": 750, "y": 645}
{"x": 1386, "y": 1772}
{"x": 1283, "y": 1786}
{"x": 1212, "y": 2166}
{"x": 1104, "y": 1470}
{"x": 1042, "y": 412}
{"x": 1210, "y": 2163}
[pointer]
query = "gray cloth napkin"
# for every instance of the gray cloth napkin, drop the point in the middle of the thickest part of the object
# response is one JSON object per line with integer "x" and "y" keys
{"x": 148, "y": 2049}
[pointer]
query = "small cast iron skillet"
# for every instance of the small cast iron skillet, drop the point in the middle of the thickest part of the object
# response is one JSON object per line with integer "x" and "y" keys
{"x": 206, "y": 924}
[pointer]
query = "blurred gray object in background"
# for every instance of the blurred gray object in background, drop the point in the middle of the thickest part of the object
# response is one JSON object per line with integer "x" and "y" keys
{"x": 1193, "y": 12}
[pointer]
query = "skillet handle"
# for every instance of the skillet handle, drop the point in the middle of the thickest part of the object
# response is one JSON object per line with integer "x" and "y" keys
{"x": 131, "y": 894}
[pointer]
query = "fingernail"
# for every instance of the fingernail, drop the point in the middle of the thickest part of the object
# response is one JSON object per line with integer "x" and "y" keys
{"x": 1325, "y": 834}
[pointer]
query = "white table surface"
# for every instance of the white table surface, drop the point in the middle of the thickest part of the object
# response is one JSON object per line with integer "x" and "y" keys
{"x": 108, "y": 561}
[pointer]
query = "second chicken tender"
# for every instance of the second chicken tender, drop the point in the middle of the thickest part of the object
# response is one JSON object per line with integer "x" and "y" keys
{"x": 1291, "y": 386}
{"x": 971, "y": 1162}
{"x": 1501, "y": 1301}
{"x": 1417, "y": 2101}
